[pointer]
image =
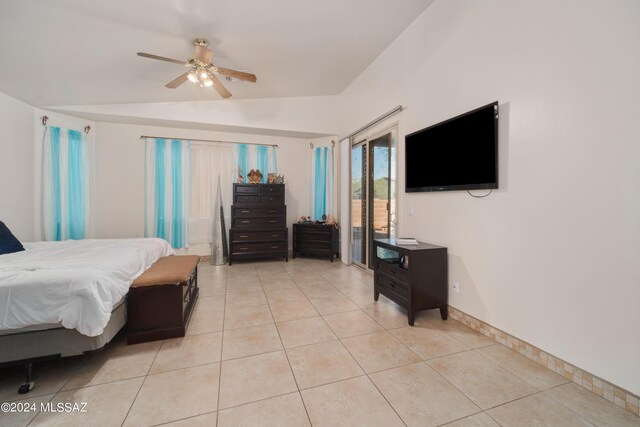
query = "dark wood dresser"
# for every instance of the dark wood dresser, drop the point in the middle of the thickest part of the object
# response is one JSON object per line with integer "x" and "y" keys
{"x": 316, "y": 239}
{"x": 413, "y": 276}
{"x": 258, "y": 222}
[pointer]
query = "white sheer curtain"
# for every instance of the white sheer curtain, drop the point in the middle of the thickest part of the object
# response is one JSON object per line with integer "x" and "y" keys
{"x": 212, "y": 169}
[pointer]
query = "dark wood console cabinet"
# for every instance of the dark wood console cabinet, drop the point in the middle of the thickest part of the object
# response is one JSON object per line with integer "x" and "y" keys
{"x": 415, "y": 277}
{"x": 258, "y": 222}
{"x": 316, "y": 239}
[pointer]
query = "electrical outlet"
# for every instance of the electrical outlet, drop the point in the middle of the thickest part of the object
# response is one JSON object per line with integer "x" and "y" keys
{"x": 456, "y": 287}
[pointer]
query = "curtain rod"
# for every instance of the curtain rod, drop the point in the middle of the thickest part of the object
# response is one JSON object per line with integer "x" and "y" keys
{"x": 375, "y": 121}
{"x": 207, "y": 140}
{"x": 45, "y": 118}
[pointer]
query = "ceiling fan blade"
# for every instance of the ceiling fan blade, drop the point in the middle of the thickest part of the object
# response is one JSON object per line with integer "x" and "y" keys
{"x": 240, "y": 75}
{"x": 203, "y": 54}
{"x": 217, "y": 84}
{"x": 178, "y": 81}
{"x": 161, "y": 58}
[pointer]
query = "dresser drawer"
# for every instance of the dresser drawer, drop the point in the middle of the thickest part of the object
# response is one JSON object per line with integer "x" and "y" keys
{"x": 242, "y": 248}
{"x": 391, "y": 287}
{"x": 278, "y": 222}
{"x": 243, "y": 198}
{"x": 392, "y": 270}
{"x": 272, "y": 199}
{"x": 263, "y": 236}
{"x": 246, "y": 189}
{"x": 258, "y": 212}
{"x": 271, "y": 189}
{"x": 318, "y": 232}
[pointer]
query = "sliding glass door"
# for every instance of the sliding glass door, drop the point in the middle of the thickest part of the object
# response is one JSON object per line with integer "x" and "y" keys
{"x": 359, "y": 204}
{"x": 373, "y": 194}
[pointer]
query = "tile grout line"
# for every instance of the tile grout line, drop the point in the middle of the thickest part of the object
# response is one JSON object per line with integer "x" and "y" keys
{"x": 304, "y": 405}
{"x": 133, "y": 401}
{"x": 516, "y": 375}
{"x": 366, "y": 374}
{"x": 38, "y": 412}
{"x": 421, "y": 361}
{"x": 565, "y": 406}
{"x": 540, "y": 392}
{"x": 224, "y": 315}
{"x": 579, "y": 376}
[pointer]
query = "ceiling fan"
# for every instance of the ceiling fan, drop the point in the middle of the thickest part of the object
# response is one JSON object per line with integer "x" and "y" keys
{"x": 202, "y": 71}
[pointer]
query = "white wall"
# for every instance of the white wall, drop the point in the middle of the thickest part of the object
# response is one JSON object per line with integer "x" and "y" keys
{"x": 17, "y": 167}
{"x": 552, "y": 256}
{"x": 120, "y": 173}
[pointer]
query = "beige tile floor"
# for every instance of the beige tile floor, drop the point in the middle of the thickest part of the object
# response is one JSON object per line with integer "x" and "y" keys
{"x": 303, "y": 343}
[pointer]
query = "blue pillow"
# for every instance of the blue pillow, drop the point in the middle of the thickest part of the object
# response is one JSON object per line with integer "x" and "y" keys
{"x": 8, "y": 242}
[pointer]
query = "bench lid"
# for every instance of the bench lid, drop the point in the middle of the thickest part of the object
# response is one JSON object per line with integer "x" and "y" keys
{"x": 170, "y": 270}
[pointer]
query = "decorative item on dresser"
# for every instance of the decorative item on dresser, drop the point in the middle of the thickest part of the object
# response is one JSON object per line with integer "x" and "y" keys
{"x": 316, "y": 239}
{"x": 414, "y": 276}
{"x": 258, "y": 222}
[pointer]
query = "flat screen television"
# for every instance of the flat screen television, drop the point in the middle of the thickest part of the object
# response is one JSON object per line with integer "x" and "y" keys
{"x": 457, "y": 154}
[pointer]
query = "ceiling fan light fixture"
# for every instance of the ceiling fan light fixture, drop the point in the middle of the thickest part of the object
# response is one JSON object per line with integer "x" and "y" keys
{"x": 201, "y": 71}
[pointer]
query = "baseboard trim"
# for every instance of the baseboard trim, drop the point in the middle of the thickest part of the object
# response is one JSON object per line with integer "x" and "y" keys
{"x": 593, "y": 383}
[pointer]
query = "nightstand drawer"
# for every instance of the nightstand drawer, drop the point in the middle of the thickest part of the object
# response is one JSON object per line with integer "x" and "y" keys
{"x": 314, "y": 245}
{"x": 320, "y": 234}
{"x": 392, "y": 287}
{"x": 392, "y": 270}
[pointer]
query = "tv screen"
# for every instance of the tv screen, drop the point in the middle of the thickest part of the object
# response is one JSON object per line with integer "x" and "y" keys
{"x": 458, "y": 154}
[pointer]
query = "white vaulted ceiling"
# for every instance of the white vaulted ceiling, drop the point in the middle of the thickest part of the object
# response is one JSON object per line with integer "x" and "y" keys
{"x": 75, "y": 52}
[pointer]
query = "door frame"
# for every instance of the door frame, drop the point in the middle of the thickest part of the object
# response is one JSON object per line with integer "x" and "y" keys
{"x": 364, "y": 137}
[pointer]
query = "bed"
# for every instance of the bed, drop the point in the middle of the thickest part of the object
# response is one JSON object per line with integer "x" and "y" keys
{"x": 61, "y": 299}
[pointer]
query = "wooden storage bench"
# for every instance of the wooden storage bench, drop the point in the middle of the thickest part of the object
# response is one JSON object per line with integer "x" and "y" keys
{"x": 160, "y": 301}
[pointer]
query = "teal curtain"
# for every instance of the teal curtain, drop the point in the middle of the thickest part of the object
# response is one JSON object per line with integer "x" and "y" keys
{"x": 320, "y": 181}
{"x": 168, "y": 181}
{"x": 179, "y": 215}
{"x": 55, "y": 209}
{"x": 243, "y": 161}
{"x": 65, "y": 193}
{"x": 160, "y": 189}
{"x": 263, "y": 161}
{"x": 77, "y": 182}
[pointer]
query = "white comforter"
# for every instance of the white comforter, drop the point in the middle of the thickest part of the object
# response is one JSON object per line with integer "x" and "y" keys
{"x": 75, "y": 282}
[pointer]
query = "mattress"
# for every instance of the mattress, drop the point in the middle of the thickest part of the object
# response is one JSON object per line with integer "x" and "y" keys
{"x": 75, "y": 283}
